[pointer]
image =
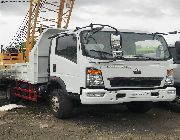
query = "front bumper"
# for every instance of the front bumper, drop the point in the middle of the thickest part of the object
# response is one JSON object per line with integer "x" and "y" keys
{"x": 122, "y": 96}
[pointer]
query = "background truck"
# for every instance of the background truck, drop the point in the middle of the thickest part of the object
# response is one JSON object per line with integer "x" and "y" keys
{"x": 175, "y": 52}
{"x": 96, "y": 64}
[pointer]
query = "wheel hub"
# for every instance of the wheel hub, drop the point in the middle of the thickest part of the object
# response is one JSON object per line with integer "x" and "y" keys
{"x": 55, "y": 103}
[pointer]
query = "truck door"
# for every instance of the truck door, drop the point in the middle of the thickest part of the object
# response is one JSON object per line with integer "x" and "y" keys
{"x": 64, "y": 61}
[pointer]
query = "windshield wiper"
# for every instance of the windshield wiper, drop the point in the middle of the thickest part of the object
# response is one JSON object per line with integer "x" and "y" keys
{"x": 103, "y": 56}
{"x": 101, "y": 52}
{"x": 113, "y": 58}
{"x": 144, "y": 57}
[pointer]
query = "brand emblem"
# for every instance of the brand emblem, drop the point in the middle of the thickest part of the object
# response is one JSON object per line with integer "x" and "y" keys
{"x": 137, "y": 71}
{"x": 119, "y": 66}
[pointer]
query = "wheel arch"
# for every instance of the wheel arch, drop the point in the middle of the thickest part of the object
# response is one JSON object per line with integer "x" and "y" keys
{"x": 56, "y": 83}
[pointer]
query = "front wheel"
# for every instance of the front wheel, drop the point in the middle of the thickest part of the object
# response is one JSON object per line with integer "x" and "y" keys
{"x": 175, "y": 105}
{"x": 139, "y": 107}
{"x": 60, "y": 104}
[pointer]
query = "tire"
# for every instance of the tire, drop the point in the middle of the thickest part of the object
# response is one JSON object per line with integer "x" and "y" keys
{"x": 139, "y": 107}
{"x": 10, "y": 96}
{"x": 175, "y": 105}
{"x": 61, "y": 105}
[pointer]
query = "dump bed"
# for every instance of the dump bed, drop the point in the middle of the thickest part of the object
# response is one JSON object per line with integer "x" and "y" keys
{"x": 35, "y": 71}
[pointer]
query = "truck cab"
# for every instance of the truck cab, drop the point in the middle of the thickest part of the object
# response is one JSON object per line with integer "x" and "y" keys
{"x": 99, "y": 64}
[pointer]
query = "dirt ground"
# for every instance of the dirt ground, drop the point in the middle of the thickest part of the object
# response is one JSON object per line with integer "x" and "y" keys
{"x": 35, "y": 122}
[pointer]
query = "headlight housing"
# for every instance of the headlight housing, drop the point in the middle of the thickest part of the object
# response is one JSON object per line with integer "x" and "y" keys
{"x": 169, "y": 78}
{"x": 94, "y": 78}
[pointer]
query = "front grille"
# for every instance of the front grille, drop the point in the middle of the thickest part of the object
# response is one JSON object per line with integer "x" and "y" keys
{"x": 135, "y": 81}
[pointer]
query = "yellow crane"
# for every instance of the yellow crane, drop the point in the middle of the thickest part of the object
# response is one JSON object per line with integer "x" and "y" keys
{"x": 30, "y": 30}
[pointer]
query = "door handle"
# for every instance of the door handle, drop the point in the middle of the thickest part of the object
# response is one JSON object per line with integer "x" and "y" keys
{"x": 54, "y": 67}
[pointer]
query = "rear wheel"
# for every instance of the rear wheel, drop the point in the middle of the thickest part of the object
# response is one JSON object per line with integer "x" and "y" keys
{"x": 11, "y": 98}
{"x": 8, "y": 94}
{"x": 139, "y": 107}
{"x": 61, "y": 105}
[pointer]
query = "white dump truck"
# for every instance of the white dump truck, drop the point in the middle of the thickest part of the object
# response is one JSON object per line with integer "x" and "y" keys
{"x": 96, "y": 64}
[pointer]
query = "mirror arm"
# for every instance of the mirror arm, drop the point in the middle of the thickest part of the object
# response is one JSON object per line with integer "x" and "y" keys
{"x": 120, "y": 40}
{"x": 119, "y": 33}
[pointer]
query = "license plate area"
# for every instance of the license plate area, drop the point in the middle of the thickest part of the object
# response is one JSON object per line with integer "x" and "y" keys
{"x": 140, "y": 95}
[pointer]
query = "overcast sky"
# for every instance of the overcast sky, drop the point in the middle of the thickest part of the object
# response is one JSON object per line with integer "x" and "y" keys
{"x": 146, "y": 15}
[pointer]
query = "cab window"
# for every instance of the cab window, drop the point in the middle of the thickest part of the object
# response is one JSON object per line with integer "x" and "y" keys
{"x": 67, "y": 47}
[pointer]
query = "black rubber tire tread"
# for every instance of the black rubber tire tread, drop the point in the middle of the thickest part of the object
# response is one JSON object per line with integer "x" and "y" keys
{"x": 12, "y": 98}
{"x": 139, "y": 107}
{"x": 174, "y": 106}
{"x": 65, "y": 105}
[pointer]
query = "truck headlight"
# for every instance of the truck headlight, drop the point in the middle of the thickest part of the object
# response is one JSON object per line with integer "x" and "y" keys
{"x": 94, "y": 78}
{"x": 169, "y": 78}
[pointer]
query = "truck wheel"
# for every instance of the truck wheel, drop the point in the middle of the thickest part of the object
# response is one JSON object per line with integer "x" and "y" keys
{"x": 61, "y": 106}
{"x": 139, "y": 107}
{"x": 10, "y": 97}
{"x": 175, "y": 105}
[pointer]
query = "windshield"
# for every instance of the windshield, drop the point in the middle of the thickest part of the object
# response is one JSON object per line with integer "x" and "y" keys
{"x": 144, "y": 46}
{"x": 99, "y": 45}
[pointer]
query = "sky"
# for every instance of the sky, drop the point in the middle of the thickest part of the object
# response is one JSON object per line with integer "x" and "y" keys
{"x": 144, "y": 15}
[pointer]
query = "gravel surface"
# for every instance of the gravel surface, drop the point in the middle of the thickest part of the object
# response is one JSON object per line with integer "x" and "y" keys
{"x": 35, "y": 122}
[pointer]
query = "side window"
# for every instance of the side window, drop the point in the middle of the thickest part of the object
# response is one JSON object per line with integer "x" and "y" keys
{"x": 67, "y": 47}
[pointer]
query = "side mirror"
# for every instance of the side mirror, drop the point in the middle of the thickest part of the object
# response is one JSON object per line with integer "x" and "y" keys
{"x": 177, "y": 46}
{"x": 116, "y": 41}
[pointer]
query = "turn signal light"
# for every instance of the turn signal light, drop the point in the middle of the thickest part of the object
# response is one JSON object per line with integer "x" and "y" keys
{"x": 94, "y": 71}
